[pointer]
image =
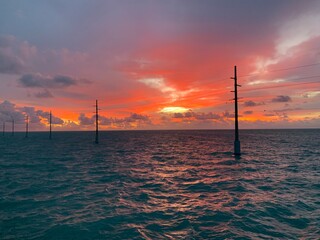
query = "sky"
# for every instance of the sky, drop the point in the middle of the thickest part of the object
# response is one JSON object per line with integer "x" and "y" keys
{"x": 159, "y": 64}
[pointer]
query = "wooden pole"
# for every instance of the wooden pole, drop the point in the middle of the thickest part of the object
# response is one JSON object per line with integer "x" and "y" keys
{"x": 97, "y": 123}
{"x": 237, "y": 150}
{"x": 27, "y": 126}
{"x": 50, "y": 125}
{"x": 12, "y": 133}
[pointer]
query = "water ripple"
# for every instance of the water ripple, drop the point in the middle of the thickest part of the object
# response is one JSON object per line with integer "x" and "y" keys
{"x": 160, "y": 185}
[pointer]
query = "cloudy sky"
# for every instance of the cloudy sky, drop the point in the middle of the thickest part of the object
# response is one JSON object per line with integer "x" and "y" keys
{"x": 160, "y": 64}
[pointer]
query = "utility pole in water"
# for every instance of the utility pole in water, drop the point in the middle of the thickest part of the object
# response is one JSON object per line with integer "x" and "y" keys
{"x": 237, "y": 150}
{"x": 27, "y": 126}
{"x": 12, "y": 133}
{"x": 50, "y": 123}
{"x": 97, "y": 124}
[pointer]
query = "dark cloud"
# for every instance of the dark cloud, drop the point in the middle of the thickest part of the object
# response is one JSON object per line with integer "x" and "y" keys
{"x": 35, "y": 116}
{"x": 85, "y": 120}
{"x": 197, "y": 115}
{"x": 61, "y": 82}
{"x": 207, "y": 116}
{"x": 108, "y": 121}
{"x": 38, "y": 81}
{"x": 31, "y": 80}
{"x": 46, "y": 115}
{"x": 281, "y": 98}
{"x": 9, "y": 112}
{"x": 269, "y": 114}
{"x": 43, "y": 94}
{"x": 251, "y": 104}
{"x": 178, "y": 115}
{"x": 134, "y": 120}
{"x": 247, "y": 112}
{"x": 10, "y": 64}
{"x": 48, "y": 84}
{"x": 57, "y": 120}
{"x": 32, "y": 114}
{"x": 6, "y": 106}
{"x": 137, "y": 118}
{"x": 227, "y": 114}
{"x": 20, "y": 57}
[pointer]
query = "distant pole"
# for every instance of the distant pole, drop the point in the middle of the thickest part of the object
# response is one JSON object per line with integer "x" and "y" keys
{"x": 3, "y": 128}
{"x": 97, "y": 124}
{"x": 50, "y": 125}
{"x": 12, "y": 133}
{"x": 237, "y": 151}
{"x": 27, "y": 126}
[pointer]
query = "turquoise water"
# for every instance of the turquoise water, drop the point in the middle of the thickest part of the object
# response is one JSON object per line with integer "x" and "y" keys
{"x": 160, "y": 185}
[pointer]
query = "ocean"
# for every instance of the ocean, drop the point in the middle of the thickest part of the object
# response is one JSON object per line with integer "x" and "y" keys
{"x": 160, "y": 185}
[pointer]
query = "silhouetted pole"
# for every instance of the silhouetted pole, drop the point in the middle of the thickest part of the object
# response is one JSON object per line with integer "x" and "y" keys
{"x": 50, "y": 127}
{"x": 236, "y": 125}
{"x": 3, "y": 128}
{"x": 97, "y": 123}
{"x": 12, "y": 133}
{"x": 27, "y": 126}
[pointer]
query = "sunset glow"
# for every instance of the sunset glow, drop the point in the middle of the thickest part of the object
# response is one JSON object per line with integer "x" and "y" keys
{"x": 160, "y": 64}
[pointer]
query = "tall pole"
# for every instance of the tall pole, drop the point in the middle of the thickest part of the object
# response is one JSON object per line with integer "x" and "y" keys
{"x": 50, "y": 125}
{"x": 237, "y": 151}
{"x": 12, "y": 133}
{"x": 27, "y": 126}
{"x": 97, "y": 123}
{"x": 3, "y": 128}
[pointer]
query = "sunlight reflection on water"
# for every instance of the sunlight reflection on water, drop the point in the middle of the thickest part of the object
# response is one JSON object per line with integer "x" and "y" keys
{"x": 160, "y": 185}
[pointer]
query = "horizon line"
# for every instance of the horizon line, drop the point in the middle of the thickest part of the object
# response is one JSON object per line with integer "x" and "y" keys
{"x": 192, "y": 129}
